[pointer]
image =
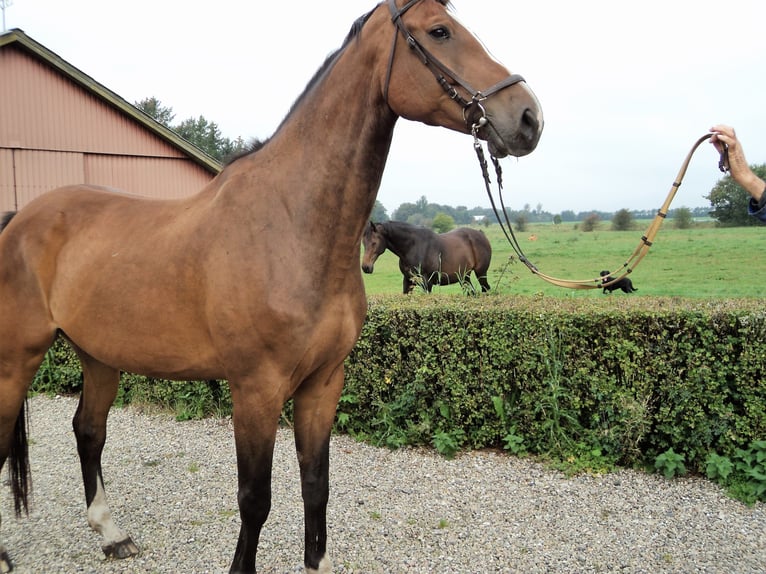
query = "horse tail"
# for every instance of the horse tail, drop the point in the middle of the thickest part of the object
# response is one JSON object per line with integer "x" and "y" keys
{"x": 18, "y": 456}
{"x": 5, "y": 219}
{"x": 18, "y": 459}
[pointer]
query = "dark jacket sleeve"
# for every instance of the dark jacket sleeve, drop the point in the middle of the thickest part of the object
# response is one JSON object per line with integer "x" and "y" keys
{"x": 758, "y": 208}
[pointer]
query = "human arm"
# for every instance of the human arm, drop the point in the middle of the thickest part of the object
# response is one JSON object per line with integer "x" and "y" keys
{"x": 740, "y": 170}
{"x": 738, "y": 166}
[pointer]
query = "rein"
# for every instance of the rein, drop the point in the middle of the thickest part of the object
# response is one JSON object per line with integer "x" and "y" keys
{"x": 440, "y": 71}
{"x": 630, "y": 264}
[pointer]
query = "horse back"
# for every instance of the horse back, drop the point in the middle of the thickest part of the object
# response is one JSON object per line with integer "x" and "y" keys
{"x": 468, "y": 247}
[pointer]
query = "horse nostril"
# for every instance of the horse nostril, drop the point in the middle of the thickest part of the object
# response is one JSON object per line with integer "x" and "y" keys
{"x": 530, "y": 127}
{"x": 529, "y": 119}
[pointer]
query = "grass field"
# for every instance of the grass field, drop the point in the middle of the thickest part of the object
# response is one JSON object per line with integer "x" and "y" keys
{"x": 701, "y": 262}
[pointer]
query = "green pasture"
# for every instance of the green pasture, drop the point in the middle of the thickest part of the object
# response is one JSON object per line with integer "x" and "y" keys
{"x": 700, "y": 262}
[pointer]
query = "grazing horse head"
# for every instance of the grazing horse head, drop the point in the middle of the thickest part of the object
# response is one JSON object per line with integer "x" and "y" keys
{"x": 374, "y": 242}
{"x": 154, "y": 287}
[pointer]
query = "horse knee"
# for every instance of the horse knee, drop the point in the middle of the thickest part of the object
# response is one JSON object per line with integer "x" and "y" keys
{"x": 254, "y": 504}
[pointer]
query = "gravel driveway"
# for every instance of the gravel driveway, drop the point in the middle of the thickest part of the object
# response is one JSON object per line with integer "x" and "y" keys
{"x": 171, "y": 485}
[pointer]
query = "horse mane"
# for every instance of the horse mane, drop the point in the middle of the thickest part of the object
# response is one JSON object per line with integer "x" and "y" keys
{"x": 356, "y": 27}
{"x": 403, "y": 225}
{"x": 254, "y": 145}
{"x": 5, "y": 219}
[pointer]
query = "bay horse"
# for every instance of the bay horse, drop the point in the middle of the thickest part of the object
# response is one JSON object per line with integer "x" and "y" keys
{"x": 427, "y": 257}
{"x": 255, "y": 279}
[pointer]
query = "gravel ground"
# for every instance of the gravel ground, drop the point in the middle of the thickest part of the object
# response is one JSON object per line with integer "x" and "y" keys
{"x": 171, "y": 485}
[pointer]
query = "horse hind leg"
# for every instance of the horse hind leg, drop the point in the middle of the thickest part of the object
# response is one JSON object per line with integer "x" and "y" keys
{"x": 481, "y": 275}
{"x": 100, "y": 384}
{"x": 16, "y": 450}
{"x": 17, "y": 369}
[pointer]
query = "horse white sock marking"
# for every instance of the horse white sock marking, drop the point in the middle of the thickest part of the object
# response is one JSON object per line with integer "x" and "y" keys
{"x": 100, "y": 518}
{"x": 325, "y": 566}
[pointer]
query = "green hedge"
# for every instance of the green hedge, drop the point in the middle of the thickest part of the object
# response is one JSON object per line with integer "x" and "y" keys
{"x": 618, "y": 379}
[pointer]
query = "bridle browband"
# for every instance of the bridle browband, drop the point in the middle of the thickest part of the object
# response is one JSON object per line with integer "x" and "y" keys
{"x": 441, "y": 72}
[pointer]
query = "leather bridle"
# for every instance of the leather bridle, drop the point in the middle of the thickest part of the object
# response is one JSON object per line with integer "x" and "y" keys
{"x": 446, "y": 78}
{"x": 630, "y": 264}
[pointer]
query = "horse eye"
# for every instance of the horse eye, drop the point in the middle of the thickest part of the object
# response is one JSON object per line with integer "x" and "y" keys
{"x": 440, "y": 33}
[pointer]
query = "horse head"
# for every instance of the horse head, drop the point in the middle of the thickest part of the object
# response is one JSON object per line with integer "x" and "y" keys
{"x": 439, "y": 73}
{"x": 374, "y": 241}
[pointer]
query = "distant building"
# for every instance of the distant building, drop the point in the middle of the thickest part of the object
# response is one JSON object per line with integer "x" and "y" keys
{"x": 59, "y": 126}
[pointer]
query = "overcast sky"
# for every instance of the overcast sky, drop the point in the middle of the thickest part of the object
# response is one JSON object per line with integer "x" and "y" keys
{"x": 626, "y": 87}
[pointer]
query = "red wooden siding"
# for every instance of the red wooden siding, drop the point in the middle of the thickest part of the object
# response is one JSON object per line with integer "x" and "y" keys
{"x": 57, "y": 127}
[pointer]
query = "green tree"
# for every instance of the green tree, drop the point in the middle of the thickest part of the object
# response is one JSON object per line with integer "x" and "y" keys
{"x": 729, "y": 201}
{"x": 404, "y": 212}
{"x": 203, "y": 134}
{"x": 154, "y": 108}
{"x": 442, "y": 223}
{"x": 379, "y": 212}
{"x": 199, "y": 132}
{"x": 591, "y": 222}
{"x": 682, "y": 218}
{"x": 622, "y": 221}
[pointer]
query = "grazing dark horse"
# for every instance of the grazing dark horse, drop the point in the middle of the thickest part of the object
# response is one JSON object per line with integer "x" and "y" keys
{"x": 255, "y": 279}
{"x": 429, "y": 258}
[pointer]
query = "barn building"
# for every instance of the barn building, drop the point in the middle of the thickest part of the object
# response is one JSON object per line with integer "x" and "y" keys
{"x": 59, "y": 126}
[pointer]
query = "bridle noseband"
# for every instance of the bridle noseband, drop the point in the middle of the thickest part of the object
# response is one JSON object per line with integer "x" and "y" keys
{"x": 441, "y": 72}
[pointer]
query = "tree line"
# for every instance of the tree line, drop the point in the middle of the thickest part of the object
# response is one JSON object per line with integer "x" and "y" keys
{"x": 728, "y": 200}
{"x": 204, "y": 134}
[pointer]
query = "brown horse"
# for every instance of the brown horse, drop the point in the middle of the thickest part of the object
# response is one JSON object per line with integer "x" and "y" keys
{"x": 255, "y": 279}
{"x": 429, "y": 258}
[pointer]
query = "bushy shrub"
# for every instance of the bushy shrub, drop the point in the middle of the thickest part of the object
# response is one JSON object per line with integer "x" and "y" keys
{"x": 587, "y": 380}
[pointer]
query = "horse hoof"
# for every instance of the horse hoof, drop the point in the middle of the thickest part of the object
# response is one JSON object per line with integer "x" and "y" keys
{"x": 5, "y": 563}
{"x": 325, "y": 567}
{"x": 122, "y": 549}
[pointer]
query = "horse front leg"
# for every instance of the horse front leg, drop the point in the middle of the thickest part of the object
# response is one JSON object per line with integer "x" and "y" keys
{"x": 315, "y": 404}
{"x": 100, "y": 384}
{"x": 255, "y": 418}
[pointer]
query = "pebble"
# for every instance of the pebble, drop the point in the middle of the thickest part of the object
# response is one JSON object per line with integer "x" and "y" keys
{"x": 172, "y": 486}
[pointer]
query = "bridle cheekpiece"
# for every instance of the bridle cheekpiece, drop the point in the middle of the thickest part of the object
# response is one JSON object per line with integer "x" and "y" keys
{"x": 441, "y": 72}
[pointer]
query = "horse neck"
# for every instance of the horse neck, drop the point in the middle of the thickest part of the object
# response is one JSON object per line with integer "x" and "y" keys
{"x": 337, "y": 139}
{"x": 399, "y": 238}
